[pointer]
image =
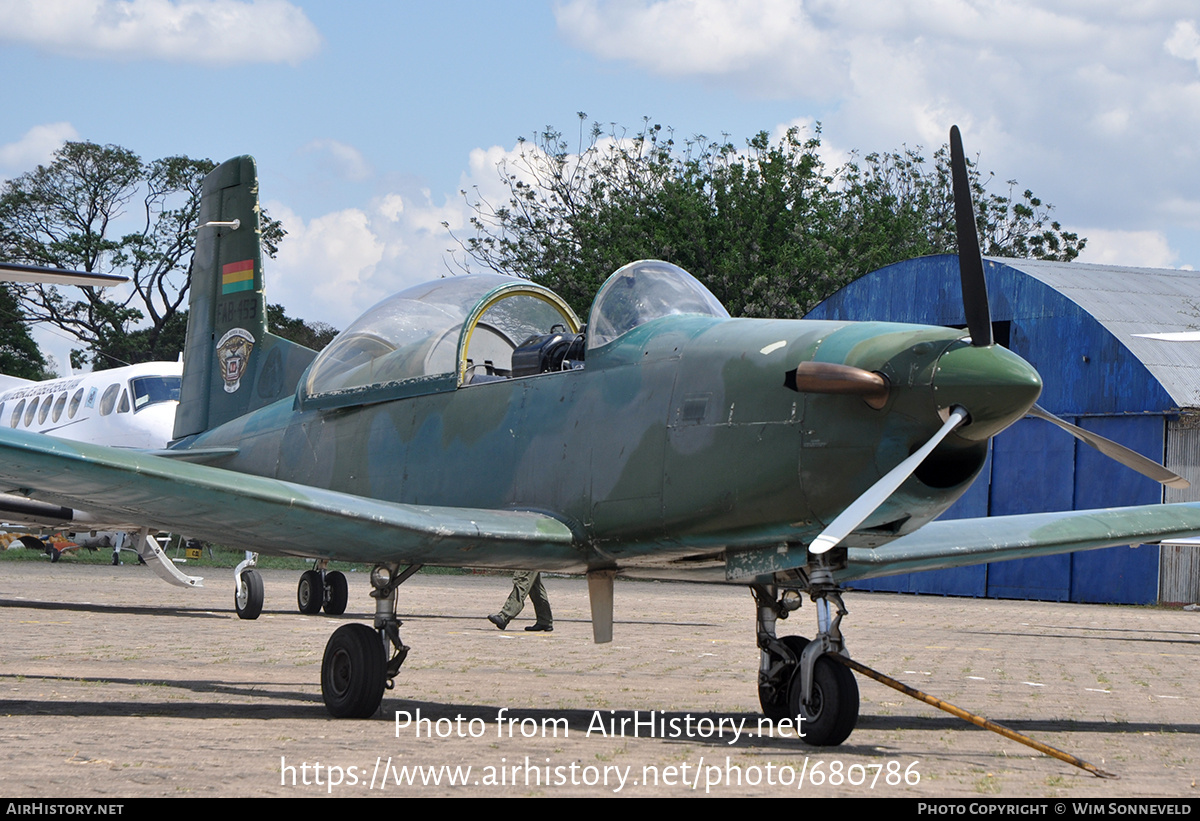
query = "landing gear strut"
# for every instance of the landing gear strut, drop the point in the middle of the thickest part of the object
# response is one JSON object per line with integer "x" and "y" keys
{"x": 356, "y": 670}
{"x": 796, "y": 679}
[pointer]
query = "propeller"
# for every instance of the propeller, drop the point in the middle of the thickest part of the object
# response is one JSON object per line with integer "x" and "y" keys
{"x": 1129, "y": 458}
{"x": 878, "y": 493}
{"x": 819, "y": 377}
{"x": 1173, "y": 336}
{"x": 970, "y": 260}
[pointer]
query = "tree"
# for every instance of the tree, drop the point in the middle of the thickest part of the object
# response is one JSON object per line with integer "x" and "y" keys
{"x": 768, "y": 228}
{"x": 65, "y": 215}
{"x": 19, "y": 353}
{"x": 314, "y": 335}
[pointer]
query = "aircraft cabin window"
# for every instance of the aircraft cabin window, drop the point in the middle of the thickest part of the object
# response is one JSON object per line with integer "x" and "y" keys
{"x": 109, "y": 400}
{"x": 74, "y": 406}
{"x": 16, "y": 417}
{"x": 124, "y": 406}
{"x": 150, "y": 390}
{"x": 59, "y": 404}
{"x": 30, "y": 411}
{"x": 47, "y": 401}
{"x": 646, "y": 290}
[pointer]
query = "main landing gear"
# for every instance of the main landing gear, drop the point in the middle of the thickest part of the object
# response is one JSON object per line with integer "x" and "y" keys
{"x": 797, "y": 679}
{"x": 321, "y": 588}
{"x": 356, "y": 669}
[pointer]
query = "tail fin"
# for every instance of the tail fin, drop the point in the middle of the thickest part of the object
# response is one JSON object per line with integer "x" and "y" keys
{"x": 231, "y": 364}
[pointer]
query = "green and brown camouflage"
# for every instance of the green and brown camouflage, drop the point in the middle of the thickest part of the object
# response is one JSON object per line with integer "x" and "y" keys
{"x": 675, "y": 444}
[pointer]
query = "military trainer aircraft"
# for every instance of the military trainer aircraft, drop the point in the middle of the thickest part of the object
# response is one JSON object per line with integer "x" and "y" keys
{"x": 475, "y": 421}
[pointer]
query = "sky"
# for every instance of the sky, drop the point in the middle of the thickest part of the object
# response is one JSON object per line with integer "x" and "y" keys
{"x": 368, "y": 118}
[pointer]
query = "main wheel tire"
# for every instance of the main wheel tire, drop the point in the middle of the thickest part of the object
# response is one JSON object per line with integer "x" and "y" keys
{"x": 310, "y": 592}
{"x": 353, "y": 672}
{"x": 774, "y": 699}
{"x": 834, "y": 710}
{"x": 337, "y": 591}
{"x": 249, "y": 600}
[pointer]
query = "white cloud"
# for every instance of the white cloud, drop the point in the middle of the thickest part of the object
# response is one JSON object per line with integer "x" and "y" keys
{"x": 1184, "y": 42}
{"x": 212, "y": 32}
{"x": 324, "y": 265}
{"x": 774, "y": 41}
{"x": 1142, "y": 249}
{"x": 1090, "y": 105}
{"x": 36, "y": 147}
{"x": 334, "y": 266}
{"x": 347, "y": 161}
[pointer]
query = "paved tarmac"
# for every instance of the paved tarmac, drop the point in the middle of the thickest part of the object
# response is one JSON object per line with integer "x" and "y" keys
{"x": 114, "y": 685}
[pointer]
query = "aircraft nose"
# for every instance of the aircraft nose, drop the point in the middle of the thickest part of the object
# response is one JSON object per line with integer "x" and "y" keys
{"x": 996, "y": 387}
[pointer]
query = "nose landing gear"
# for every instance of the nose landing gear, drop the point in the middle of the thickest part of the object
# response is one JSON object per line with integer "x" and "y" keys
{"x": 796, "y": 678}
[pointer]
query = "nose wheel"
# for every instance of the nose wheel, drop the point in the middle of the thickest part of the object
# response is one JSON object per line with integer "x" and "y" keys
{"x": 797, "y": 679}
{"x": 831, "y": 711}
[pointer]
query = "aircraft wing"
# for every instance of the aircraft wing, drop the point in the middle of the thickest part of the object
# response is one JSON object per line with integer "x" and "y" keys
{"x": 11, "y": 272}
{"x": 257, "y": 513}
{"x": 961, "y": 542}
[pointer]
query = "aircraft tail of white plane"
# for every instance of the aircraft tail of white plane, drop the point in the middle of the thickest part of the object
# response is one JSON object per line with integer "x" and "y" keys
{"x": 232, "y": 364}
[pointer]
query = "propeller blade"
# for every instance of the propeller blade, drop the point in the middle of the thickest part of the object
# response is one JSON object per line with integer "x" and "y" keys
{"x": 1129, "y": 458}
{"x": 11, "y": 272}
{"x": 1173, "y": 336}
{"x": 970, "y": 261}
{"x": 878, "y": 493}
{"x": 829, "y": 377}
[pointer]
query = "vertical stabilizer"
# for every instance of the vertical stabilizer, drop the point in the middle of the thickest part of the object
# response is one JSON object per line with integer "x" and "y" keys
{"x": 231, "y": 364}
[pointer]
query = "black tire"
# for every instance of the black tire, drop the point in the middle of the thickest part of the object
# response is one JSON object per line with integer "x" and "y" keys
{"x": 310, "y": 593}
{"x": 774, "y": 700}
{"x": 337, "y": 592}
{"x": 835, "y": 703}
{"x": 353, "y": 672}
{"x": 251, "y": 606}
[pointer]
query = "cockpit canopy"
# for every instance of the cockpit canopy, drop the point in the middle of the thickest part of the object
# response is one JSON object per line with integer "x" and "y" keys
{"x": 433, "y": 337}
{"x": 473, "y": 329}
{"x": 646, "y": 290}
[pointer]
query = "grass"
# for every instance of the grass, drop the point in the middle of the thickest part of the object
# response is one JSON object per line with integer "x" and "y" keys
{"x": 217, "y": 556}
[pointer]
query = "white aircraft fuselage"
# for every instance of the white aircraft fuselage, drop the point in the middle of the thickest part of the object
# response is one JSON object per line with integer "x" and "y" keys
{"x": 129, "y": 407}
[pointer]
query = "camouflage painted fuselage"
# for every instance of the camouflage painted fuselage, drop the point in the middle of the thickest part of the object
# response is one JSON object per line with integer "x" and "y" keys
{"x": 680, "y": 431}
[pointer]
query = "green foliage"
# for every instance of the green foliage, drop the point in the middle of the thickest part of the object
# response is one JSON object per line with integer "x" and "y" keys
{"x": 313, "y": 335}
{"x": 65, "y": 215}
{"x": 768, "y": 228}
{"x": 19, "y": 354}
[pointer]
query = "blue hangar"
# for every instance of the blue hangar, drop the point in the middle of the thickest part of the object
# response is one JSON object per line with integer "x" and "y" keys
{"x": 1076, "y": 324}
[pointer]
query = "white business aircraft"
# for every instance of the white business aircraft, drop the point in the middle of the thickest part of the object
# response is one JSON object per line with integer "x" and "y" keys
{"x": 129, "y": 407}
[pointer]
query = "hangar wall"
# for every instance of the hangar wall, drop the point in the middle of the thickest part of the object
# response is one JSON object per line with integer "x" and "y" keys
{"x": 1093, "y": 379}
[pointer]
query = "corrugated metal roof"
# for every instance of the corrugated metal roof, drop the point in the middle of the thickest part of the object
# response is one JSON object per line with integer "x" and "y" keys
{"x": 1128, "y": 301}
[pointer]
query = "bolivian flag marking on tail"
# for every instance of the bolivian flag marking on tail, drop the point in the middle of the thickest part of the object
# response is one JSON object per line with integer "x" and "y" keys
{"x": 237, "y": 276}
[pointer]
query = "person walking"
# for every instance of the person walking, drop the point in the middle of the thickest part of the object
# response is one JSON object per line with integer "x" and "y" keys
{"x": 526, "y": 584}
